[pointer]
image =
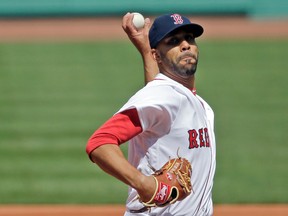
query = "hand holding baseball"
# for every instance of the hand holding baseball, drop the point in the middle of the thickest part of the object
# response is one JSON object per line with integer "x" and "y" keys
{"x": 138, "y": 36}
{"x": 138, "y": 20}
{"x": 135, "y": 22}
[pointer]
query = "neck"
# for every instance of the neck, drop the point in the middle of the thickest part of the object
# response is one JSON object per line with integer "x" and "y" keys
{"x": 188, "y": 82}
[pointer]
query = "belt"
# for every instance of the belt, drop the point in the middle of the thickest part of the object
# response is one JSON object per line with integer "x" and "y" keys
{"x": 144, "y": 209}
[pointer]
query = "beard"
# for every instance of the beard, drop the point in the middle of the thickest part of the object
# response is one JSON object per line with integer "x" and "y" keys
{"x": 185, "y": 69}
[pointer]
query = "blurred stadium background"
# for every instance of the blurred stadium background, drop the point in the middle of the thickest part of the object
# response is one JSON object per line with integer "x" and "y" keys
{"x": 54, "y": 94}
{"x": 40, "y": 8}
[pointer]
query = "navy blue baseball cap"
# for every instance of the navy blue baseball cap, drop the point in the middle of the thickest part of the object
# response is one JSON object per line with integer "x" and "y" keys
{"x": 165, "y": 24}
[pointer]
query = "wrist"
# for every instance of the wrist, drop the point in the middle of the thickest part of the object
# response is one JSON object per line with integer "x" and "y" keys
{"x": 147, "y": 188}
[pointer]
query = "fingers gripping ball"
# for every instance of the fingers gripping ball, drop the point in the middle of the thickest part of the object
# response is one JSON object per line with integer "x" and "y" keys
{"x": 138, "y": 20}
{"x": 173, "y": 183}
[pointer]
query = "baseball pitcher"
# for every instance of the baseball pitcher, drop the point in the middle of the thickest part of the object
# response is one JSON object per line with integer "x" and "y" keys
{"x": 169, "y": 127}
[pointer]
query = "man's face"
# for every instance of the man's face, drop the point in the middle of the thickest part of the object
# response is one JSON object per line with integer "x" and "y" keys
{"x": 178, "y": 53}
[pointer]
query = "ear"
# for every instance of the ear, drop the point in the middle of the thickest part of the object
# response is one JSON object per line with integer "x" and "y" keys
{"x": 156, "y": 55}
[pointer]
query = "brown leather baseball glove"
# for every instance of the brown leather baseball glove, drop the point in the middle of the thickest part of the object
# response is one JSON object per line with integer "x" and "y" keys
{"x": 173, "y": 183}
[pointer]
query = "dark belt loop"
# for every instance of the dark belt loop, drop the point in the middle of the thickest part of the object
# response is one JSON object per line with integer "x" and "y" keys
{"x": 144, "y": 209}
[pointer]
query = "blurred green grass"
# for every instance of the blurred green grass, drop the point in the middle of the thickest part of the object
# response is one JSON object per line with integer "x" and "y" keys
{"x": 54, "y": 95}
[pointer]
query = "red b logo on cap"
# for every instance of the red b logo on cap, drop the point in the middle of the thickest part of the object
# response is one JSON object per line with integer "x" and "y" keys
{"x": 177, "y": 19}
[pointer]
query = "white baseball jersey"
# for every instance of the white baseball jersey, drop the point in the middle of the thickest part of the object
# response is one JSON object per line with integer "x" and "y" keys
{"x": 173, "y": 120}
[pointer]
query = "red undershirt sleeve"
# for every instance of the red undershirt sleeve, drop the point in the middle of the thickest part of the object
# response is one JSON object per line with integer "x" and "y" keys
{"x": 117, "y": 130}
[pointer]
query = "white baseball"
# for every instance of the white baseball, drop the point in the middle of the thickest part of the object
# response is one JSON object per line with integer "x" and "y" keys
{"x": 138, "y": 20}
